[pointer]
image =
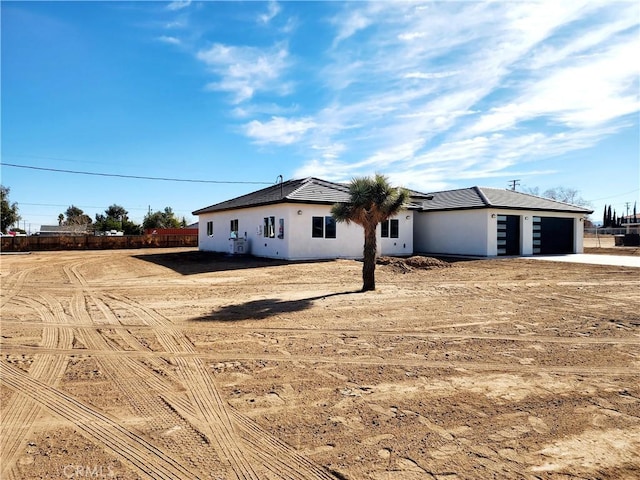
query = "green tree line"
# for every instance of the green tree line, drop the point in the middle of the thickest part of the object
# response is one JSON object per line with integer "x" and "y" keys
{"x": 115, "y": 217}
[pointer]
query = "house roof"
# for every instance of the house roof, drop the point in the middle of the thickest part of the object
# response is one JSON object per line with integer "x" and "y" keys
{"x": 63, "y": 228}
{"x": 307, "y": 190}
{"x": 315, "y": 190}
{"x": 484, "y": 197}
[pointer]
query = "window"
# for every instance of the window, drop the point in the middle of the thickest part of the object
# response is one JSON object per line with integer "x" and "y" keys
{"x": 323, "y": 227}
{"x": 317, "y": 227}
{"x": 390, "y": 228}
{"x": 233, "y": 229}
{"x": 394, "y": 226}
{"x": 269, "y": 228}
{"x": 329, "y": 227}
{"x": 210, "y": 229}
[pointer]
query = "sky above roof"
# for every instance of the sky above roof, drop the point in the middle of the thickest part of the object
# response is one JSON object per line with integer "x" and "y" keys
{"x": 233, "y": 94}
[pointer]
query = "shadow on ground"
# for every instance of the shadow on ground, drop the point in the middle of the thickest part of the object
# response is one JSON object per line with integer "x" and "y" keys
{"x": 195, "y": 262}
{"x": 264, "y": 308}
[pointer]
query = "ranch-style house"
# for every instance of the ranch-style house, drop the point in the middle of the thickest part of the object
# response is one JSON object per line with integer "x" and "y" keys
{"x": 292, "y": 221}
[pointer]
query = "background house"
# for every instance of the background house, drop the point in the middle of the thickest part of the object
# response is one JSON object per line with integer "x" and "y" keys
{"x": 292, "y": 220}
{"x": 64, "y": 230}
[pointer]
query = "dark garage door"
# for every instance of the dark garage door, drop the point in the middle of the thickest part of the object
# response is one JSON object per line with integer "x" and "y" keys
{"x": 552, "y": 235}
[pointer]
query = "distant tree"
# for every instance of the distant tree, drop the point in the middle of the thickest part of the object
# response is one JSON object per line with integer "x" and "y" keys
{"x": 164, "y": 219}
{"x": 8, "y": 211}
{"x": 566, "y": 195}
{"x": 60, "y": 219}
{"x": 372, "y": 200}
{"x": 116, "y": 218}
{"x": 609, "y": 218}
{"x": 117, "y": 212}
{"x": 131, "y": 228}
{"x": 75, "y": 216}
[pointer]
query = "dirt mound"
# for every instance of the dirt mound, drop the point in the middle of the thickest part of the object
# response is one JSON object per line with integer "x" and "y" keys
{"x": 405, "y": 265}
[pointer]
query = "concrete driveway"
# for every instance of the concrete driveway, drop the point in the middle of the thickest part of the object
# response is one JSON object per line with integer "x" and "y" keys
{"x": 615, "y": 260}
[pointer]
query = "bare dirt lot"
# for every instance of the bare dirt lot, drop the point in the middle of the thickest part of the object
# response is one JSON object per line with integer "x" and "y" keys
{"x": 176, "y": 364}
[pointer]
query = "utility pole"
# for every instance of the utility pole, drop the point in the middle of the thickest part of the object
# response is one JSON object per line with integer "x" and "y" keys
{"x": 514, "y": 183}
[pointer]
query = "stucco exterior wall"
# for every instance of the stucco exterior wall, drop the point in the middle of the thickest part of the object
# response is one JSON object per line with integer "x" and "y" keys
{"x": 462, "y": 232}
{"x": 474, "y": 232}
{"x": 297, "y": 242}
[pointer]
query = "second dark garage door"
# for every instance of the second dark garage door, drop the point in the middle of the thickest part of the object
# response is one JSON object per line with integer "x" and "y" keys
{"x": 552, "y": 235}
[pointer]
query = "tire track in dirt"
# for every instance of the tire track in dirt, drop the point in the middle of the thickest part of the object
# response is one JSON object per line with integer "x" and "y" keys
{"x": 130, "y": 378}
{"x": 427, "y": 334}
{"x": 12, "y": 285}
{"x": 213, "y": 412}
{"x": 20, "y": 413}
{"x": 148, "y": 460}
{"x": 213, "y": 418}
{"x": 471, "y": 365}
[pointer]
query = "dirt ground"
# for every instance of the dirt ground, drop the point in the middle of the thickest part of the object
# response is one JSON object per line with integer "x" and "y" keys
{"x": 176, "y": 364}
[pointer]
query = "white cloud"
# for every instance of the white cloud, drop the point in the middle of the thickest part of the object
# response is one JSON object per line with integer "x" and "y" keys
{"x": 412, "y": 35}
{"x": 514, "y": 68}
{"x": 350, "y": 22}
{"x": 454, "y": 91}
{"x": 273, "y": 8}
{"x": 593, "y": 90}
{"x": 178, "y": 5}
{"x": 278, "y": 130}
{"x": 243, "y": 71}
{"x": 170, "y": 40}
{"x": 429, "y": 75}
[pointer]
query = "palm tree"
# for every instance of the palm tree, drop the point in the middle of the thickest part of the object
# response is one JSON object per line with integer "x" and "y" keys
{"x": 372, "y": 200}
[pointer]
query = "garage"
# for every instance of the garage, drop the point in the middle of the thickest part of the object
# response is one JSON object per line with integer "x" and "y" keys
{"x": 553, "y": 235}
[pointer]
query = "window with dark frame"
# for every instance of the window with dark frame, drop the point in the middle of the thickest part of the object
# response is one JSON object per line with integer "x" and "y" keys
{"x": 329, "y": 227}
{"x": 317, "y": 227}
{"x": 384, "y": 229}
{"x": 269, "y": 229}
{"x": 390, "y": 228}
{"x": 233, "y": 228}
{"x": 323, "y": 227}
{"x": 210, "y": 229}
{"x": 394, "y": 228}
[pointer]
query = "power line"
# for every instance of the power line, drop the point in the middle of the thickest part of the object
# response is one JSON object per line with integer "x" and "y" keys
{"x": 138, "y": 177}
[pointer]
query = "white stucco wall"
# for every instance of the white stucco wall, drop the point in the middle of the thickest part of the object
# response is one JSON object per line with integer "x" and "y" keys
{"x": 298, "y": 244}
{"x": 459, "y": 232}
{"x": 474, "y": 232}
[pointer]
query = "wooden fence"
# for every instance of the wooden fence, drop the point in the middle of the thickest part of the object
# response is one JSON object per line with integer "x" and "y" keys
{"x": 88, "y": 242}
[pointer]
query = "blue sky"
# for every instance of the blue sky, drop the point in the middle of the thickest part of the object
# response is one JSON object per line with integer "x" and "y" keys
{"x": 435, "y": 95}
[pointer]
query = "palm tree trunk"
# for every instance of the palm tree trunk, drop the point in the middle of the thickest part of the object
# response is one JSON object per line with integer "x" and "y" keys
{"x": 369, "y": 263}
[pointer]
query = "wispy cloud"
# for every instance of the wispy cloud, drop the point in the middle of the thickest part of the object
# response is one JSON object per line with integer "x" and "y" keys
{"x": 168, "y": 39}
{"x": 438, "y": 91}
{"x": 477, "y": 89}
{"x": 178, "y": 5}
{"x": 273, "y": 8}
{"x": 278, "y": 130}
{"x": 244, "y": 71}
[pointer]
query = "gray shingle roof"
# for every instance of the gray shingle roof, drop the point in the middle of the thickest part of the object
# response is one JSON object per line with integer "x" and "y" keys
{"x": 484, "y": 197}
{"x": 64, "y": 229}
{"x": 307, "y": 190}
{"x": 315, "y": 190}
